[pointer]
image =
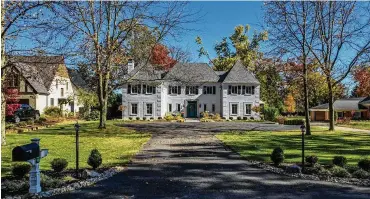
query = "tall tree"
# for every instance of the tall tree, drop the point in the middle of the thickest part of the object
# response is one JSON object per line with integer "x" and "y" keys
{"x": 290, "y": 104}
{"x": 17, "y": 17}
{"x": 161, "y": 58}
{"x": 100, "y": 35}
{"x": 236, "y": 46}
{"x": 290, "y": 27}
{"x": 341, "y": 41}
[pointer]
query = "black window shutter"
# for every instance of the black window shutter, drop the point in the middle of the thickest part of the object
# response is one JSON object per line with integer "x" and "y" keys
{"x": 252, "y": 90}
{"x": 129, "y": 89}
{"x": 169, "y": 89}
{"x": 229, "y": 90}
{"x": 139, "y": 89}
{"x": 214, "y": 90}
{"x": 154, "y": 89}
{"x": 179, "y": 90}
{"x": 243, "y": 90}
{"x": 144, "y": 88}
{"x": 197, "y": 89}
{"x": 187, "y": 90}
{"x": 204, "y": 90}
{"x": 239, "y": 89}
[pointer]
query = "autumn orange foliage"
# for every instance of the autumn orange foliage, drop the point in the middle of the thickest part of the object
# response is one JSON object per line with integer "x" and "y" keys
{"x": 160, "y": 57}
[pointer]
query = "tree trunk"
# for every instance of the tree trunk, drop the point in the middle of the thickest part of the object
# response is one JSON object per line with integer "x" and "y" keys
{"x": 331, "y": 105}
{"x": 103, "y": 115}
{"x": 3, "y": 107}
{"x": 306, "y": 108}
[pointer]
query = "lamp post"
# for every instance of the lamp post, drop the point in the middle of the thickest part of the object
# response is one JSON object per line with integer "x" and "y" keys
{"x": 77, "y": 128}
{"x": 303, "y": 130}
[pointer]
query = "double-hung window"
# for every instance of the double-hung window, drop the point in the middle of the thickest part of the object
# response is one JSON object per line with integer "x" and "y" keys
{"x": 134, "y": 89}
{"x": 209, "y": 90}
{"x": 134, "y": 109}
{"x": 174, "y": 90}
{"x": 233, "y": 90}
{"x": 192, "y": 90}
{"x": 248, "y": 109}
{"x": 149, "y": 89}
{"x": 234, "y": 109}
{"x": 149, "y": 109}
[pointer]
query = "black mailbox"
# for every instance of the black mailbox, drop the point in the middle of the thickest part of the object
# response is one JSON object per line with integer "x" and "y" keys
{"x": 26, "y": 152}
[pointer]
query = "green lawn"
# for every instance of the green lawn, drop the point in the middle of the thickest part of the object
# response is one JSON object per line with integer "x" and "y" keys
{"x": 258, "y": 145}
{"x": 358, "y": 125}
{"x": 116, "y": 144}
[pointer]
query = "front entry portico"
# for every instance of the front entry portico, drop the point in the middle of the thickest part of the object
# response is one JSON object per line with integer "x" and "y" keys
{"x": 191, "y": 109}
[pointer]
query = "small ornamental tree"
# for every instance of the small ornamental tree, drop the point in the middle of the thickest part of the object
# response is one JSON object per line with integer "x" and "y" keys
{"x": 362, "y": 77}
{"x": 95, "y": 159}
{"x": 290, "y": 104}
{"x": 12, "y": 101}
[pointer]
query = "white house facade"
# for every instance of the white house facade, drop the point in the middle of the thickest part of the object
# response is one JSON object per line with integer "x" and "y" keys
{"x": 190, "y": 89}
{"x": 43, "y": 81}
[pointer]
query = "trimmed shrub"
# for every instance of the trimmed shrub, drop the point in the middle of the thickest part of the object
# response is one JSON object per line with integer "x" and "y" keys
{"x": 59, "y": 164}
{"x": 151, "y": 118}
{"x": 130, "y": 118}
{"x": 340, "y": 161}
{"x": 92, "y": 116}
{"x": 324, "y": 173}
{"x": 21, "y": 170}
{"x": 231, "y": 118}
{"x": 277, "y": 156}
{"x": 312, "y": 159}
{"x": 251, "y": 118}
{"x": 351, "y": 169}
{"x": 217, "y": 117}
{"x": 341, "y": 172}
{"x": 360, "y": 173}
{"x": 270, "y": 113}
{"x": 239, "y": 118}
{"x": 159, "y": 118}
{"x": 137, "y": 118}
{"x": 364, "y": 164}
{"x": 53, "y": 111}
{"x": 293, "y": 122}
{"x": 95, "y": 159}
{"x": 245, "y": 118}
{"x": 49, "y": 182}
{"x": 144, "y": 118}
{"x": 169, "y": 117}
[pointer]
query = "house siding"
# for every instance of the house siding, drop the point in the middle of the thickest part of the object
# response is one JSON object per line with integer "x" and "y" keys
{"x": 161, "y": 100}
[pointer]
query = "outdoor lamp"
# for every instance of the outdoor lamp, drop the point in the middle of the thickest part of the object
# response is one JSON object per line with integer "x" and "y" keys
{"x": 303, "y": 129}
{"x": 77, "y": 128}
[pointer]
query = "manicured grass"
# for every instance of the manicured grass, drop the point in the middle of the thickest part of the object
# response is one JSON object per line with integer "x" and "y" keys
{"x": 258, "y": 145}
{"x": 116, "y": 144}
{"x": 358, "y": 125}
{"x": 295, "y": 118}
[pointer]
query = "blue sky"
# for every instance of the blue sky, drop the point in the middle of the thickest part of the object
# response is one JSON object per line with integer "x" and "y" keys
{"x": 218, "y": 21}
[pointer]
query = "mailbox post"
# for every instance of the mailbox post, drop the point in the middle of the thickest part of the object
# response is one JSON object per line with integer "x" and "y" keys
{"x": 303, "y": 129}
{"x": 32, "y": 154}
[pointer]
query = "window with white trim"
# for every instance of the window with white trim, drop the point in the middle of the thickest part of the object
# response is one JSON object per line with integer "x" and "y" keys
{"x": 149, "y": 109}
{"x": 174, "y": 90}
{"x": 191, "y": 90}
{"x": 134, "y": 107}
{"x": 248, "y": 109}
{"x": 209, "y": 90}
{"x": 234, "y": 109}
{"x": 134, "y": 89}
{"x": 149, "y": 89}
{"x": 170, "y": 108}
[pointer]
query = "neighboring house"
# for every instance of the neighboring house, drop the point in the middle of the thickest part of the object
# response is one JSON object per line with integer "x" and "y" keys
{"x": 355, "y": 108}
{"x": 42, "y": 81}
{"x": 190, "y": 89}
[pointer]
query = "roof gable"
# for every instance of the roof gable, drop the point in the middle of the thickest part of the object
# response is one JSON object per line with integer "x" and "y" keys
{"x": 192, "y": 72}
{"x": 239, "y": 74}
{"x": 39, "y": 70}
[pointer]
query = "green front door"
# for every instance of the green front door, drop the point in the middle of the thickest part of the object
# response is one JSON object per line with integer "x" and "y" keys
{"x": 192, "y": 109}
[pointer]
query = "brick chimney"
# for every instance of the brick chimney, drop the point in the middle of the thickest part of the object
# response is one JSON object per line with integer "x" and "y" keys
{"x": 130, "y": 65}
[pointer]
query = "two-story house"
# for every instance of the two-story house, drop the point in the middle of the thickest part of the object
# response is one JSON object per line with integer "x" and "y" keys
{"x": 42, "y": 81}
{"x": 190, "y": 88}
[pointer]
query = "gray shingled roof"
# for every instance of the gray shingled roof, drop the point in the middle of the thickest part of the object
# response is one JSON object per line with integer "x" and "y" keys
{"x": 239, "y": 74}
{"x": 192, "y": 72}
{"x": 77, "y": 80}
{"x": 350, "y": 104}
{"x": 38, "y": 70}
{"x": 145, "y": 73}
{"x": 221, "y": 75}
{"x": 321, "y": 106}
{"x": 366, "y": 101}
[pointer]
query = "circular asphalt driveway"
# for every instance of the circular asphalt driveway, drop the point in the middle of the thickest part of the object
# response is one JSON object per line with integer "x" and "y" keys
{"x": 186, "y": 161}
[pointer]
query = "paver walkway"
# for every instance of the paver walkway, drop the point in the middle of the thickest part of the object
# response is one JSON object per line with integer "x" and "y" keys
{"x": 186, "y": 161}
